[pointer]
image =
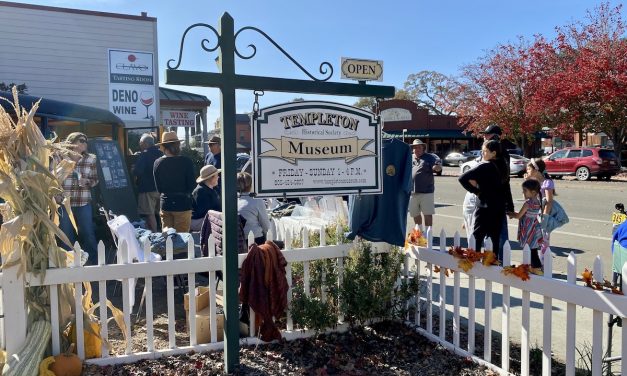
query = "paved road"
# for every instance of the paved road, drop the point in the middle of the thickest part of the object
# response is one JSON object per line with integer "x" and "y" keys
{"x": 589, "y": 206}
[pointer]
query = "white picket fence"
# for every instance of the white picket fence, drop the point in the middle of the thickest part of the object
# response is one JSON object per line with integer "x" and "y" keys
{"x": 549, "y": 288}
{"x": 169, "y": 267}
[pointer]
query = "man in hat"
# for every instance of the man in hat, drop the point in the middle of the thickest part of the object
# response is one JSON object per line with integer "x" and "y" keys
{"x": 77, "y": 188}
{"x": 214, "y": 156}
{"x": 147, "y": 197}
{"x": 422, "y": 201}
{"x": 175, "y": 180}
{"x": 205, "y": 197}
{"x": 494, "y": 132}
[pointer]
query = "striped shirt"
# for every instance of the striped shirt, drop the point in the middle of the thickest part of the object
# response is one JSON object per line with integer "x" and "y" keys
{"x": 85, "y": 169}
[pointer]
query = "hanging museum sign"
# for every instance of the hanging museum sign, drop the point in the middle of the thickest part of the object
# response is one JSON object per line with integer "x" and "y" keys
{"x": 174, "y": 118}
{"x": 315, "y": 148}
{"x": 132, "y": 93}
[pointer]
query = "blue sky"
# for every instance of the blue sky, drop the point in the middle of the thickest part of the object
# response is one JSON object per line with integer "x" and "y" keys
{"x": 409, "y": 36}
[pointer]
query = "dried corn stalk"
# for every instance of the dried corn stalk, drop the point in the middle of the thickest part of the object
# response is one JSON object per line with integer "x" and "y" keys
{"x": 31, "y": 171}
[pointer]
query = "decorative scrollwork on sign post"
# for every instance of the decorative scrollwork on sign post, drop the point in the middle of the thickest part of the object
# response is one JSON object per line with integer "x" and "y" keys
{"x": 326, "y": 69}
{"x": 204, "y": 44}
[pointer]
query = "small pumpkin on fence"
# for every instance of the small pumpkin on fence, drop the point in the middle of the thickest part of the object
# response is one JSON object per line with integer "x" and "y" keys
{"x": 93, "y": 343}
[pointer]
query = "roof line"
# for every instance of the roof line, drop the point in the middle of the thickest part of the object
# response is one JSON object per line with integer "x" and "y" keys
{"x": 77, "y": 11}
{"x": 184, "y": 92}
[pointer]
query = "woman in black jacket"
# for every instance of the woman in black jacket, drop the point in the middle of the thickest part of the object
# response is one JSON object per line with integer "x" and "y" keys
{"x": 486, "y": 181}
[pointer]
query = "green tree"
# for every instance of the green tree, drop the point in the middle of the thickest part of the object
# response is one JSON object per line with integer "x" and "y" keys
{"x": 434, "y": 91}
{"x": 367, "y": 103}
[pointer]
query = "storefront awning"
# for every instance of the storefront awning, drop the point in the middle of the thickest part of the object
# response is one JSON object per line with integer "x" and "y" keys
{"x": 432, "y": 133}
{"x": 62, "y": 110}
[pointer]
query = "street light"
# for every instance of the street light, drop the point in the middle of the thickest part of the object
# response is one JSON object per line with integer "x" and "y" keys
{"x": 404, "y": 131}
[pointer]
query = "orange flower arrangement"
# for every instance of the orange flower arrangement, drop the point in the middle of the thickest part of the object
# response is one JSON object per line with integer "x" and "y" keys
{"x": 416, "y": 237}
{"x": 588, "y": 278}
{"x": 521, "y": 271}
{"x": 468, "y": 256}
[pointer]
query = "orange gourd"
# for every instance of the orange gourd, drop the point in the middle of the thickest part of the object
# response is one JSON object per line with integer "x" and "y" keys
{"x": 93, "y": 343}
{"x": 67, "y": 364}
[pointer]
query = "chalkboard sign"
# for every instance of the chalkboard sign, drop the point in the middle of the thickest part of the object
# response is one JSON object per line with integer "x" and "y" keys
{"x": 116, "y": 190}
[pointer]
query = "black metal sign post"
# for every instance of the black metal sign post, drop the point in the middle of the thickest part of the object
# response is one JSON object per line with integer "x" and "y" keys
{"x": 228, "y": 81}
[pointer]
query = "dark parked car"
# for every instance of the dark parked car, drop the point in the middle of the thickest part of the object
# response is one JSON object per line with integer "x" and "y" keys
{"x": 583, "y": 162}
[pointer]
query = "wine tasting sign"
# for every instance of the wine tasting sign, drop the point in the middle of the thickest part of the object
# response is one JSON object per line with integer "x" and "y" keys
{"x": 306, "y": 148}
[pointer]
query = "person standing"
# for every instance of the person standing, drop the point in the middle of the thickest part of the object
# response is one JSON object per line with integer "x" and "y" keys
{"x": 148, "y": 197}
{"x": 529, "y": 230}
{"x": 494, "y": 132}
{"x": 422, "y": 200}
{"x": 175, "y": 180}
{"x": 536, "y": 169}
{"x": 214, "y": 157}
{"x": 204, "y": 196}
{"x": 77, "y": 187}
{"x": 486, "y": 181}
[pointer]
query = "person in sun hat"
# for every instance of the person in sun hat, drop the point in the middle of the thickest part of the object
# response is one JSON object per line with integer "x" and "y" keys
{"x": 175, "y": 180}
{"x": 204, "y": 196}
{"x": 422, "y": 201}
{"x": 77, "y": 188}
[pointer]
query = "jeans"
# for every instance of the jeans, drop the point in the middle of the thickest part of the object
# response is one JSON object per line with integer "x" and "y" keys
{"x": 86, "y": 230}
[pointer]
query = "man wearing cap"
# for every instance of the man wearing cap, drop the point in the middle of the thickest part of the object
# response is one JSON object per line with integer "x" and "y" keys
{"x": 205, "y": 197}
{"x": 494, "y": 132}
{"x": 175, "y": 180}
{"x": 147, "y": 197}
{"x": 215, "y": 149}
{"x": 422, "y": 199}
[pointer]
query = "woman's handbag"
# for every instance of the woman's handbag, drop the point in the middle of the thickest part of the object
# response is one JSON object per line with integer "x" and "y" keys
{"x": 557, "y": 218}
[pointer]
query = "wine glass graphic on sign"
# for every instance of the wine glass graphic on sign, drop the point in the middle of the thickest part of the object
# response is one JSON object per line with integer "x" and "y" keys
{"x": 147, "y": 99}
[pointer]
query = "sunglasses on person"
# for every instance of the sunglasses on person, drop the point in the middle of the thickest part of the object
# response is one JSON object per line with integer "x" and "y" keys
{"x": 82, "y": 140}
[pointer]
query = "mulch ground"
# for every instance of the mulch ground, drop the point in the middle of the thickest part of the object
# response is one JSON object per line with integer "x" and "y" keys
{"x": 386, "y": 348}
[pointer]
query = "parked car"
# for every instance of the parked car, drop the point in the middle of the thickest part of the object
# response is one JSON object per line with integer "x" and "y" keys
{"x": 244, "y": 162}
{"x": 456, "y": 159}
{"x": 583, "y": 162}
{"x": 475, "y": 153}
{"x": 517, "y": 165}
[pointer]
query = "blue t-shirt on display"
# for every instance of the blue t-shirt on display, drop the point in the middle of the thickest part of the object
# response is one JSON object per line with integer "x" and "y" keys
{"x": 383, "y": 217}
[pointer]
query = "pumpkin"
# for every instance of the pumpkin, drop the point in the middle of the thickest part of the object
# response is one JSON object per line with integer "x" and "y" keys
{"x": 67, "y": 364}
{"x": 93, "y": 343}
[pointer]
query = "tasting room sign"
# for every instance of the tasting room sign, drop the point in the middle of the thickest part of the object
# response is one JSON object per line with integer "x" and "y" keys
{"x": 132, "y": 86}
{"x": 316, "y": 148}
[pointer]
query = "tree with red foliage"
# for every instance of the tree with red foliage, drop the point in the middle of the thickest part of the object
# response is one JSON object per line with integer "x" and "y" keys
{"x": 498, "y": 89}
{"x": 586, "y": 88}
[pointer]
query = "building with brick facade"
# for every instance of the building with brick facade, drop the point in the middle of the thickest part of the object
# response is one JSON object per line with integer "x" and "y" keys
{"x": 403, "y": 119}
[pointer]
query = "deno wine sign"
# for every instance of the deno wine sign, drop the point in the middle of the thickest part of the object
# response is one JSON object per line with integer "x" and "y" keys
{"x": 306, "y": 148}
{"x": 132, "y": 93}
